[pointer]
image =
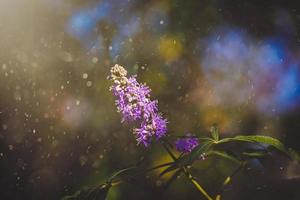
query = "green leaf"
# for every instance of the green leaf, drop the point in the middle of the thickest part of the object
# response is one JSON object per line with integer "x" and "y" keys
{"x": 121, "y": 172}
{"x": 214, "y": 132}
{"x": 254, "y": 154}
{"x": 264, "y": 140}
{"x": 225, "y": 155}
{"x": 169, "y": 169}
{"x": 90, "y": 193}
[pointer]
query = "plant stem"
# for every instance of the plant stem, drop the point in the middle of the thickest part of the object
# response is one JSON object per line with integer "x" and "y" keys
{"x": 189, "y": 175}
{"x": 199, "y": 187}
{"x": 196, "y": 184}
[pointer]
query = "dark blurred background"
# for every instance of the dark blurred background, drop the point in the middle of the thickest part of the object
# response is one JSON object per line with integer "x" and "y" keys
{"x": 234, "y": 63}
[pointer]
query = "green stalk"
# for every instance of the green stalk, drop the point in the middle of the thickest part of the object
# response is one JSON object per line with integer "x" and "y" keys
{"x": 200, "y": 188}
{"x": 196, "y": 184}
{"x": 189, "y": 175}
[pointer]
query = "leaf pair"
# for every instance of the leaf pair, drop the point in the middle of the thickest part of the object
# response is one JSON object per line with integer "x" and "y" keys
{"x": 263, "y": 140}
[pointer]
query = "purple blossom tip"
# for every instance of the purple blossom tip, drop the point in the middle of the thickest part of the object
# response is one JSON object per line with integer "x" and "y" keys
{"x": 186, "y": 145}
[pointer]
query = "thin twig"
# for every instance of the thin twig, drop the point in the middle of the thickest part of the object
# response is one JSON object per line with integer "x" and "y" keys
{"x": 189, "y": 175}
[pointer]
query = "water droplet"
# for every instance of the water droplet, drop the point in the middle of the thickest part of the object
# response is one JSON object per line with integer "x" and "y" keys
{"x": 89, "y": 83}
{"x": 85, "y": 76}
{"x": 10, "y": 147}
{"x": 83, "y": 159}
{"x": 158, "y": 182}
{"x": 4, "y": 126}
{"x": 66, "y": 56}
{"x": 94, "y": 60}
{"x": 258, "y": 188}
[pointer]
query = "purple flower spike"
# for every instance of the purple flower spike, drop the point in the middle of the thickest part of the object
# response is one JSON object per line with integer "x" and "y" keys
{"x": 160, "y": 126}
{"x": 133, "y": 101}
{"x": 186, "y": 145}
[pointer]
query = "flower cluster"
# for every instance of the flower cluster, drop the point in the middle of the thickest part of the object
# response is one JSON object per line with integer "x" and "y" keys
{"x": 133, "y": 101}
{"x": 186, "y": 145}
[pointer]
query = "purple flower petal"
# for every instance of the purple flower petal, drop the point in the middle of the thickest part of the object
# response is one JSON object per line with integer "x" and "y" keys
{"x": 186, "y": 145}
